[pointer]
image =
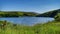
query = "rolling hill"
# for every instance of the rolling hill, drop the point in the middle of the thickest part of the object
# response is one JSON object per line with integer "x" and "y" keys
{"x": 49, "y": 14}
{"x": 17, "y": 14}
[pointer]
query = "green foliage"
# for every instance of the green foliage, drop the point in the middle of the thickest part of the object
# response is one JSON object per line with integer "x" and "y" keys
{"x": 57, "y": 17}
{"x": 15, "y": 29}
{"x": 48, "y": 28}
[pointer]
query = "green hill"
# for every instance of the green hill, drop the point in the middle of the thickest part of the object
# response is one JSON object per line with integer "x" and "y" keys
{"x": 16, "y": 14}
{"x": 29, "y": 14}
{"x": 49, "y": 14}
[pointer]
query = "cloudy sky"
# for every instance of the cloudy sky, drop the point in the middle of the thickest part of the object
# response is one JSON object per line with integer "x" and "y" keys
{"x": 39, "y": 6}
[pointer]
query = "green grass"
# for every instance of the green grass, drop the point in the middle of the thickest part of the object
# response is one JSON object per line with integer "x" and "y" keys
{"x": 46, "y": 28}
{"x": 50, "y": 28}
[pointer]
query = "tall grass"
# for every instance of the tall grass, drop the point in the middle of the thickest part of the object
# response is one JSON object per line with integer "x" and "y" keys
{"x": 47, "y": 28}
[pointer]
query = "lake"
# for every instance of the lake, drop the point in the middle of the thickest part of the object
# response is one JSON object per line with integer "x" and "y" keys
{"x": 28, "y": 20}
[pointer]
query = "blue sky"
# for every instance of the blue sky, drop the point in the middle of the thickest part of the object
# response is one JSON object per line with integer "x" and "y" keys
{"x": 39, "y": 6}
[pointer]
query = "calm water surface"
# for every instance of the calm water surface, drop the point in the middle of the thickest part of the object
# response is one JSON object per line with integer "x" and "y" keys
{"x": 28, "y": 20}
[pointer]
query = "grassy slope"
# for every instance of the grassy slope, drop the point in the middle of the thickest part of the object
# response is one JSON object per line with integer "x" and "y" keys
{"x": 47, "y": 28}
{"x": 50, "y": 28}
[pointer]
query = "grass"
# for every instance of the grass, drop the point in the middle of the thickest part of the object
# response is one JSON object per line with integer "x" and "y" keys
{"x": 46, "y": 28}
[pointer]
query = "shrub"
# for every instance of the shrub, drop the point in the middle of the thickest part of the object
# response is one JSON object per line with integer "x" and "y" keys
{"x": 57, "y": 17}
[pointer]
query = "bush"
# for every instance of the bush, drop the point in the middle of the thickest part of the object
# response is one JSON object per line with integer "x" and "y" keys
{"x": 57, "y": 17}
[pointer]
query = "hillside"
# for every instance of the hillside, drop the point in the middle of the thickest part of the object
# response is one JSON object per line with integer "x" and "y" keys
{"x": 29, "y": 14}
{"x": 49, "y": 14}
{"x": 48, "y": 28}
{"x": 16, "y": 14}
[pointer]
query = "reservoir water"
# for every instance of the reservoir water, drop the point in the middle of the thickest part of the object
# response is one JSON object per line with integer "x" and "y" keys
{"x": 28, "y": 20}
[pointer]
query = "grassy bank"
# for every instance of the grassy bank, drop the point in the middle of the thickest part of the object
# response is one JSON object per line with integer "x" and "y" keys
{"x": 47, "y": 28}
